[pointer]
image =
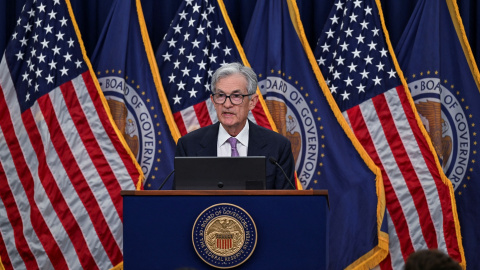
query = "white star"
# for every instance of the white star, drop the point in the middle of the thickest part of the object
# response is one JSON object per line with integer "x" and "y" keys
{"x": 36, "y": 87}
{"x": 200, "y": 30}
{"x": 383, "y": 52}
{"x": 56, "y": 2}
{"x": 27, "y": 97}
{"x": 181, "y": 85}
{"x": 364, "y": 24}
{"x": 166, "y": 56}
{"x": 204, "y": 15}
{"x": 216, "y": 44}
{"x": 356, "y": 53}
{"x": 340, "y": 60}
{"x": 392, "y": 73}
{"x": 352, "y": 67}
{"x": 59, "y": 36}
{"x": 68, "y": 57}
{"x": 360, "y": 38}
{"x": 14, "y": 36}
{"x": 186, "y": 72}
{"x": 372, "y": 45}
{"x": 52, "y": 15}
{"x": 333, "y": 89}
{"x": 53, "y": 64}
{"x": 321, "y": 61}
{"x": 171, "y": 78}
{"x": 211, "y": 9}
{"x": 38, "y": 23}
{"x": 358, "y": 3}
{"x": 348, "y": 32}
{"x": 205, "y": 51}
{"x": 78, "y": 63}
{"x": 41, "y": 8}
{"x": 197, "y": 79}
{"x": 64, "y": 21}
{"x": 24, "y": 41}
{"x": 368, "y": 10}
{"x": 191, "y": 58}
{"x": 171, "y": 43}
{"x": 195, "y": 43}
{"x": 176, "y": 64}
{"x": 191, "y": 22}
{"x": 25, "y": 76}
{"x": 377, "y": 80}
{"x": 178, "y": 29}
{"x": 375, "y": 31}
{"x": 344, "y": 46}
{"x": 183, "y": 15}
{"x": 334, "y": 19}
{"x": 330, "y": 33}
{"x": 31, "y": 12}
{"x": 213, "y": 59}
{"x": 48, "y": 28}
{"x": 196, "y": 8}
{"x": 368, "y": 59}
{"x": 186, "y": 36}
{"x": 339, "y": 5}
{"x": 181, "y": 50}
{"x": 330, "y": 68}
{"x": 345, "y": 95}
{"x": 189, "y": 2}
{"x": 219, "y": 30}
{"x": 201, "y": 65}
{"x": 19, "y": 55}
{"x": 176, "y": 99}
{"x": 41, "y": 58}
{"x": 49, "y": 79}
{"x": 227, "y": 51}
{"x": 64, "y": 71}
{"x": 353, "y": 18}
{"x": 325, "y": 47}
{"x": 380, "y": 66}
{"x": 35, "y": 37}
{"x": 38, "y": 72}
{"x": 364, "y": 74}
{"x": 361, "y": 88}
{"x": 44, "y": 43}
{"x": 348, "y": 81}
{"x": 193, "y": 93}
{"x": 336, "y": 75}
{"x": 207, "y": 87}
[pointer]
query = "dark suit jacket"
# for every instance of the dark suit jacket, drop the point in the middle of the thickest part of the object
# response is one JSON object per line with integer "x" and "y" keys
{"x": 261, "y": 142}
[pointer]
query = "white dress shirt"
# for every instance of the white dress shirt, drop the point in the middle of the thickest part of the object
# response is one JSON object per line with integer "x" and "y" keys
{"x": 224, "y": 149}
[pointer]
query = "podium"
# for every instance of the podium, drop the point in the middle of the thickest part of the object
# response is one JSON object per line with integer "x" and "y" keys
{"x": 282, "y": 229}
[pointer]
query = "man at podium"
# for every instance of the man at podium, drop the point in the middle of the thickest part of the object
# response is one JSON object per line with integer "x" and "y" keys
{"x": 234, "y": 95}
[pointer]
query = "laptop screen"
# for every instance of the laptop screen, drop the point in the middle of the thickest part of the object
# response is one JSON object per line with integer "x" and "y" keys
{"x": 217, "y": 173}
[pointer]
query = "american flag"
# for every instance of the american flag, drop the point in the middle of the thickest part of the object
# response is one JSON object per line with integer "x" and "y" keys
{"x": 200, "y": 40}
{"x": 62, "y": 165}
{"x": 354, "y": 55}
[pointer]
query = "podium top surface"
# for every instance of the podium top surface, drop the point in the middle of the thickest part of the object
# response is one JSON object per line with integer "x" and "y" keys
{"x": 224, "y": 193}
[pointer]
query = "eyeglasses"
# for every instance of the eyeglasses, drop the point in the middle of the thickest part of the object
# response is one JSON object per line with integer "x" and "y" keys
{"x": 235, "y": 99}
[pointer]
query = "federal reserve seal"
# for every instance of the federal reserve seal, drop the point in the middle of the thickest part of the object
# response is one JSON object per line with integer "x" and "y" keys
{"x": 224, "y": 235}
{"x": 448, "y": 124}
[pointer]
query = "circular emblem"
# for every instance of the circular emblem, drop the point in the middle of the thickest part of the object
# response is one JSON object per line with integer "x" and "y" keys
{"x": 447, "y": 124}
{"x": 224, "y": 235}
{"x": 295, "y": 119}
{"x": 131, "y": 114}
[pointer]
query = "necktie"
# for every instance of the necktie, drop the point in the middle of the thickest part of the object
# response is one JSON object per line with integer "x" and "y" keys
{"x": 233, "y": 143}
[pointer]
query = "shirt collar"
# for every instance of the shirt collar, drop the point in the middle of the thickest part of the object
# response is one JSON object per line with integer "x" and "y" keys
{"x": 242, "y": 137}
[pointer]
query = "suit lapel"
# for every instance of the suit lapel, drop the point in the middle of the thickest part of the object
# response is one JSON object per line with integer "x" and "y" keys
{"x": 208, "y": 144}
{"x": 256, "y": 142}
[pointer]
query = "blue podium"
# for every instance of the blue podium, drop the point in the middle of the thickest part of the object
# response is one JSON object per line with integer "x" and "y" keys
{"x": 251, "y": 229}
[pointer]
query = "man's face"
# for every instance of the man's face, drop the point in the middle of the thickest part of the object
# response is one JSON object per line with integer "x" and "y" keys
{"x": 233, "y": 117}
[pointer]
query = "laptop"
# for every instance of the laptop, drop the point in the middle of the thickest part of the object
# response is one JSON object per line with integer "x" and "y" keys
{"x": 220, "y": 173}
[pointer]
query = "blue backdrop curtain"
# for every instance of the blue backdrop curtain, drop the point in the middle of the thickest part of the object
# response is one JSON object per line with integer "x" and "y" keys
{"x": 90, "y": 16}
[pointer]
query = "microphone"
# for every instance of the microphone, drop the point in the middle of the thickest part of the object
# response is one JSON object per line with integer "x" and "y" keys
{"x": 274, "y": 161}
{"x": 165, "y": 180}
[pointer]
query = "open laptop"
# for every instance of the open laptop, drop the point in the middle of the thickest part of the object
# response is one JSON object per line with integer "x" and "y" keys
{"x": 217, "y": 173}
